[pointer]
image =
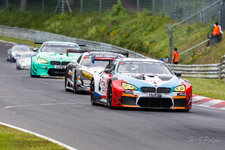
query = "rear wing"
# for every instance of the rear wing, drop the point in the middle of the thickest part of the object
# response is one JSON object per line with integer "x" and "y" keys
{"x": 38, "y": 42}
{"x": 94, "y": 50}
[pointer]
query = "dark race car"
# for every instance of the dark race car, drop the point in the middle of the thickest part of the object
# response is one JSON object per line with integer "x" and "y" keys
{"x": 80, "y": 72}
{"x": 141, "y": 83}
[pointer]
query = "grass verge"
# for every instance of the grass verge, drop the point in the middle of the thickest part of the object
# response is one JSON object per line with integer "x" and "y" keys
{"x": 213, "y": 88}
{"x": 12, "y": 139}
{"x": 19, "y": 41}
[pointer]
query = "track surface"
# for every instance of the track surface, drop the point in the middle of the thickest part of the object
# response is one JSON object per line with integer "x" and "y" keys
{"x": 42, "y": 106}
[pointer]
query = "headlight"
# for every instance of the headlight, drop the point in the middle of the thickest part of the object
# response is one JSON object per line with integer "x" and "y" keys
{"x": 127, "y": 86}
{"x": 42, "y": 61}
{"x": 180, "y": 88}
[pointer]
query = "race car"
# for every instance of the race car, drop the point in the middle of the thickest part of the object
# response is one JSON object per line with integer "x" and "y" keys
{"x": 24, "y": 61}
{"x": 16, "y": 51}
{"x": 79, "y": 73}
{"x": 51, "y": 59}
{"x": 141, "y": 83}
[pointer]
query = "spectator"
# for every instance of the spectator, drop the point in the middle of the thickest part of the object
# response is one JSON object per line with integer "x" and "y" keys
{"x": 175, "y": 56}
{"x": 217, "y": 33}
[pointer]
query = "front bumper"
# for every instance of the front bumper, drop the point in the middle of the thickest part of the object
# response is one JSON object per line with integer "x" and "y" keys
{"x": 149, "y": 100}
{"x": 83, "y": 85}
{"x": 48, "y": 70}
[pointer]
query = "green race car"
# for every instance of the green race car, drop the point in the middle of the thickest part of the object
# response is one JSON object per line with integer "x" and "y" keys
{"x": 51, "y": 59}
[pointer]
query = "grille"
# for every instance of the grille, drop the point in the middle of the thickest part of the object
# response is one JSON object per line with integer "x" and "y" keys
{"x": 180, "y": 102}
{"x": 128, "y": 100}
{"x": 155, "y": 102}
{"x": 148, "y": 89}
{"x": 56, "y": 72}
{"x": 55, "y": 62}
{"x": 65, "y": 63}
{"x": 163, "y": 90}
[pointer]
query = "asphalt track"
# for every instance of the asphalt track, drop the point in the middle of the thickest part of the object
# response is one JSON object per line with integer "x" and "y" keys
{"x": 42, "y": 106}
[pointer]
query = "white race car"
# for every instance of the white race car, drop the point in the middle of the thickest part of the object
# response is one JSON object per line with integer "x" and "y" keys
{"x": 24, "y": 61}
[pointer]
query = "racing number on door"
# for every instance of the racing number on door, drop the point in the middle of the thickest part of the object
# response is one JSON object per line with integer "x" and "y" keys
{"x": 103, "y": 83}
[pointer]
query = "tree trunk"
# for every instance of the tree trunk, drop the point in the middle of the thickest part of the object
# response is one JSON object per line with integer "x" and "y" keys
{"x": 23, "y": 5}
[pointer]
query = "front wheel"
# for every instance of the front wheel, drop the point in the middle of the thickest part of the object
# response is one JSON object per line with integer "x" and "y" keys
{"x": 110, "y": 95}
{"x": 75, "y": 88}
{"x": 92, "y": 89}
{"x": 67, "y": 90}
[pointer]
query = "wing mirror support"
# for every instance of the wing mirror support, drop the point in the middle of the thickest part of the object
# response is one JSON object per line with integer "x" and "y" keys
{"x": 35, "y": 49}
{"x": 178, "y": 74}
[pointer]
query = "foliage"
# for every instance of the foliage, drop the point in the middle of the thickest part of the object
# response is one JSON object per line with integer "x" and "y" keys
{"x": 141, "y": 32}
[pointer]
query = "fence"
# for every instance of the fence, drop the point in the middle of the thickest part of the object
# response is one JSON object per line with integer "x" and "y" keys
{"x": 213, "y": 71}
{"x": 174, "y": 8}
{"x": 41, "y": 36}
{"x": 197, "y": 26}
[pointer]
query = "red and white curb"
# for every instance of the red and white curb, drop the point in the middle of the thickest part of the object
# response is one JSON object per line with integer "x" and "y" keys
{"x": 208, "y": 102}
{"x": 38, "y": 135}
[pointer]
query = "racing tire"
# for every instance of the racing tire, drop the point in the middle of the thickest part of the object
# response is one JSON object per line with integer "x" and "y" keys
{"x": 75, "y": 85}
{"x": 67, "y": 90}
{"x": 18, "y": 67}
{"x": 110, "y": 95}
{"x": 92, "y": 89}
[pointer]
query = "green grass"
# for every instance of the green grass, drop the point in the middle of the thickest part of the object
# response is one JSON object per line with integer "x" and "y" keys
{"x": 141, "y": 32}
{"x": 19, "y": 41}
{"x": 213, "y": 88}
{"x": 11, "y": 139}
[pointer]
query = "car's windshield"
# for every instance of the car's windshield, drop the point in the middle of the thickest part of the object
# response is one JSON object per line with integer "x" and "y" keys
{"x": 20, "y": 48}
{"x": 95, "y": 62}
{"x": 57, "y": 48}
{"x": 140, "y": 67}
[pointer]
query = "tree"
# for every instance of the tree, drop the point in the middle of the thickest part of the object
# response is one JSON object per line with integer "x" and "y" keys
{"x": 23, "y": 5}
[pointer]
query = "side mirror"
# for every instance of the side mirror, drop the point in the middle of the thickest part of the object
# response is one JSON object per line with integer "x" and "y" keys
{"x": 35, "y": 49}
{"x": 177, "y": 74}
{"x": 108, "y": 71}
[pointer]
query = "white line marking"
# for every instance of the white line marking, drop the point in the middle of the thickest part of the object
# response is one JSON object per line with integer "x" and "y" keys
{"x": 38, "y": 135}
{"x": 30, "y": 105}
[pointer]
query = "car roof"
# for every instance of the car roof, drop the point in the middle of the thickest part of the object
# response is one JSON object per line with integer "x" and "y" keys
{"x": 139, "y": 59}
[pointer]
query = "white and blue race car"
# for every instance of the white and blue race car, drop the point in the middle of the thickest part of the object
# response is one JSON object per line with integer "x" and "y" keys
{"x": 141, "y": 83}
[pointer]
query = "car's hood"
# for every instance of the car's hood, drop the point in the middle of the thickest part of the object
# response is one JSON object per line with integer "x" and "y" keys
{"x": 92, "y": 70}
{"x": 57, "y": 56}
{"x": 148, "y": 80}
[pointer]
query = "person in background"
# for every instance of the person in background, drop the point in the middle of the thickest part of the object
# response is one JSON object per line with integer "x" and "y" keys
{"x": 175, "y": 56}
{"x": 217, "y": 33}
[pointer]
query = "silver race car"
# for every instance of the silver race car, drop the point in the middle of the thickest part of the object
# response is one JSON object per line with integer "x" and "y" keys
{"x": 16, "y": 51}
{"x": 24, "y": 61}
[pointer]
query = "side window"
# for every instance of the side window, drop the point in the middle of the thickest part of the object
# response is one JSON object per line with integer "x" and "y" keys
{"x": 111, "y": 65}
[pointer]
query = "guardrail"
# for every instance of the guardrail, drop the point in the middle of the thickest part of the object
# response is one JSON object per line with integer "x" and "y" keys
{"x": 222, "y": 68}
{"x": 198, "y": 71}
{"x": 41, "y": 36}
{"x": 213, "y": 71}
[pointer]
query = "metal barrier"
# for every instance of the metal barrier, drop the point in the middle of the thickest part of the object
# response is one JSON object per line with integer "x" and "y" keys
{"x": 41, "y": 36}
{"x": 222, "y": 68}
{"x": 197, "y": 71}
{"x": 213, "y": 71}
